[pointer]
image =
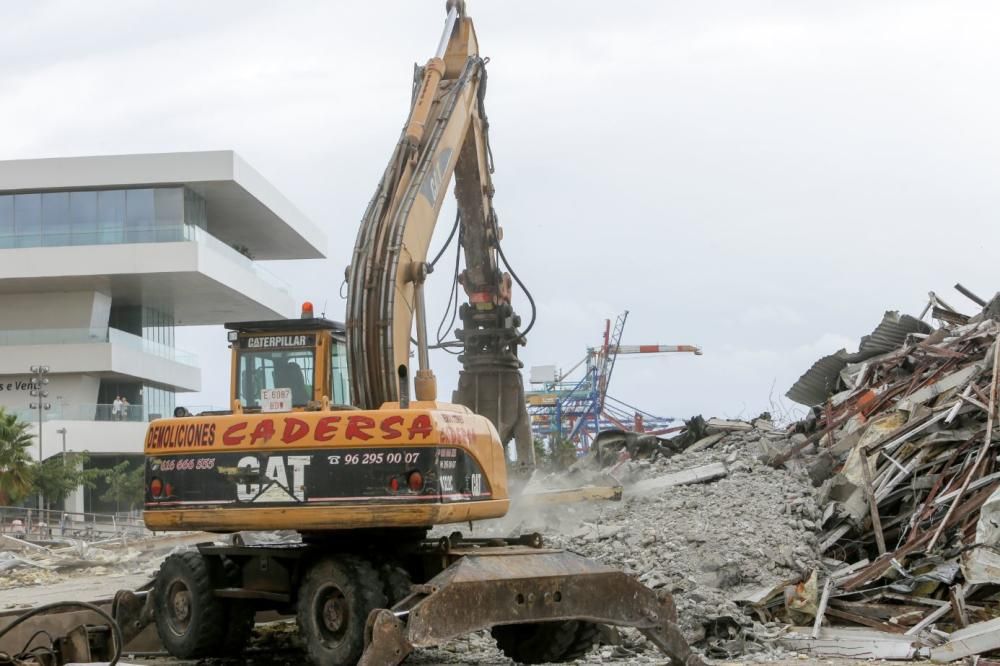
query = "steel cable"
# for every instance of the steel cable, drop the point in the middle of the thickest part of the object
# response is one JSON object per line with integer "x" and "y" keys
{"x": 116, "y": 631}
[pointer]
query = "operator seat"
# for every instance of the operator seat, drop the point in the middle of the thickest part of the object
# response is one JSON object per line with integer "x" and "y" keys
{"x": 291, "y": 376}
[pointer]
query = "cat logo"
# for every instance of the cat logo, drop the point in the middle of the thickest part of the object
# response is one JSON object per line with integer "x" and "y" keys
{"x": 274, "y": 485}
{"x": 436, "y": 177}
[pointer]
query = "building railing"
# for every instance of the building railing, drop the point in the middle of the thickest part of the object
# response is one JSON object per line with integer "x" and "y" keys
{"x": 147, "y": 234}
{"x": 111, "y": 235}
{"x": 116, "y": 336}
{"x": 52, "y": 336}
{"x": 200, "y": 409}
{"x": 207, "y": 239}
{"x": 93, "y": 412}
{"x": 59, "y": 336}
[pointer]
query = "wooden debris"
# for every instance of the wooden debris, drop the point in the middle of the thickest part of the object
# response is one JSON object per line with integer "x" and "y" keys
{"x": 912, "y": 555}
{"x": 570, "y": 495}
{"x": 872, "y": 504}
{"x": 821, "y": 609}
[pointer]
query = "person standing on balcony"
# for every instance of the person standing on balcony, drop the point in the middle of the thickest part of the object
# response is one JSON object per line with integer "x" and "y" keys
{"x": 125, "y": 406}
{"x": 116, "y": 409}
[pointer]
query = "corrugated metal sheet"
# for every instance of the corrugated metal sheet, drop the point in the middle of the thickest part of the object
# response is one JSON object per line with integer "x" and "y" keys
{"x": 890, "y": 334}
{"x": 823, "y": 378}
{"x": 820, "y": 380}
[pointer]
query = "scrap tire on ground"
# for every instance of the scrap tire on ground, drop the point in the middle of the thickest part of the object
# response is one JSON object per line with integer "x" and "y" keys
{"x": 190, "y": 620}
{"x": 335, "y": 598}
{"x": 543, "y": 642}
{"x": 239, "y": 615}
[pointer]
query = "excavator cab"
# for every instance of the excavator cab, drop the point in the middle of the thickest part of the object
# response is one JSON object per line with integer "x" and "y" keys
{"x": 288, "y": 365}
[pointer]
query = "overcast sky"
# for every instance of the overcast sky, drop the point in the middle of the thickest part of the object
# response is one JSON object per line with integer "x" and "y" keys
{"x": 762, "y": 179}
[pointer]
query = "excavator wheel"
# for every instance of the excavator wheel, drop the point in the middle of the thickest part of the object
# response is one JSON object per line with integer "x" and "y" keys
{"x": 190, "y": 620}
{"x": 544, "y": 642}
{"x": 396, "y": 583}
{"x": 587, "y": 635}
{"x": 335, "y": 598}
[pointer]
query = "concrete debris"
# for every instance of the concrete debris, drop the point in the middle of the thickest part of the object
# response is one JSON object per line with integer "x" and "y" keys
{"x": 857, "y": 643}
{"x": 871, "y": 524}
{"x": 712, "y": 525}
{"x": 706, "y": 442}
{"x": 73, "y": 556}
{"x": 10, "y": 561}
{"x": 27, "y": 564}
{"x": 684, "y": 477}
{"x": 974, "y": 639}
{"x": 723, "y": 425}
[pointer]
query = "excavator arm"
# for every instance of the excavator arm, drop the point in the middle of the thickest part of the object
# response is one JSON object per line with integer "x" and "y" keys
{"x": 446, "y": 134}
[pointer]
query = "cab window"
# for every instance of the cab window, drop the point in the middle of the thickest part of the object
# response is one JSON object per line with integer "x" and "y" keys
{"x": 339, "y": 379}
{"x": 285, "y": 368}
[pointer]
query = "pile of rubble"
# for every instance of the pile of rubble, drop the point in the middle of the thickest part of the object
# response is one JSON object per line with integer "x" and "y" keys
{"x": 62, "y": 560}
{"x": 711, "y": 524}
{"x": 26, "y": 563}
{"x": 903, "y": 441}
{"x": 871, "y": 529}
{"x": 700, "y": 515}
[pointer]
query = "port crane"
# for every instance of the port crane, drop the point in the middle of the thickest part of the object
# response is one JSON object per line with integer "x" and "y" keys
{"x": 577, "y": 410}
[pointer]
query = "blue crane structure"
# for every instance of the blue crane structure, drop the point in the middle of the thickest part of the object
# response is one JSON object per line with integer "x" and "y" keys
{"x": 577, "y": 410}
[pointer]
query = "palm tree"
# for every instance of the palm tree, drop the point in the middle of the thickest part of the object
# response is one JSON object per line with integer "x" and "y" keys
{"x": 15, "y": 461}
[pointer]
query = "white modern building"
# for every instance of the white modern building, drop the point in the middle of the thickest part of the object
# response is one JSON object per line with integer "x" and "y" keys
{"x": 101, "y": 258}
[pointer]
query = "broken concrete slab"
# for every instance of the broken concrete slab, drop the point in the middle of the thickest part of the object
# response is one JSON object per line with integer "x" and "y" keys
{"x": 853, "y": 642}
{"x": 688, "y": 476}
{"x": 705, "y": 443}
{"x": 974, "y": 639}
{"x": 725, "y": 425}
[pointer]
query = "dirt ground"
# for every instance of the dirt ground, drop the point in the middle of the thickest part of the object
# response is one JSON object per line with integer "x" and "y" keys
{"x": 274, "y": 644}
{"x": 433, "y": 658}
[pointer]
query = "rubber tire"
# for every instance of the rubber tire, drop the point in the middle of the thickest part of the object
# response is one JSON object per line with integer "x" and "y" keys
{"x": 362, "y": 590}
{"x": 205, "y": 630}
{"x": 239, "y": 615}
{"x": 396, "y": 583}
{"x": 587, "y": 635}
{"x": 545, "y": 642}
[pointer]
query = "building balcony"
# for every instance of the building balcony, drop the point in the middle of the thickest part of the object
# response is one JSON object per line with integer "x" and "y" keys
{"x": 134, "y": 235}
{"x": 100, "y": 352}
{"x": 62, "y": 336}
{"x": 185, "y": 270}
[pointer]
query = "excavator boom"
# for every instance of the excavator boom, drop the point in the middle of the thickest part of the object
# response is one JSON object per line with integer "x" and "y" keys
{"x": 446, "y": 135}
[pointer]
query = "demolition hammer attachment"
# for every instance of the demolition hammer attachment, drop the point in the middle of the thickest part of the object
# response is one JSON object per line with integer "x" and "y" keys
{"x": 487, "y": 587}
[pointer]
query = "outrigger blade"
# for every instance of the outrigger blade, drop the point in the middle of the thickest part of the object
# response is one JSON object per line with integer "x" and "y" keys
{"x": 490, "y": 586}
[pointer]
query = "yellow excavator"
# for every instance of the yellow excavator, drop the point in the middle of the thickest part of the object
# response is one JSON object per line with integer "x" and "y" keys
{"x": 324, "y": 438}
